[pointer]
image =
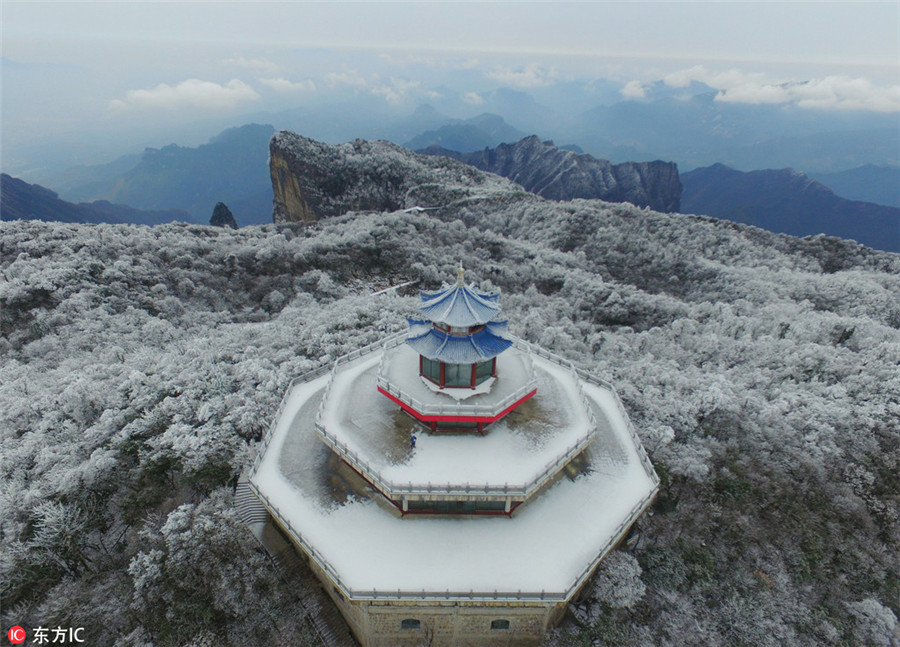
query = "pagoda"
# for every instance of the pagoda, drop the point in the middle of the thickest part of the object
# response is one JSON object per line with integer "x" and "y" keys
{"x": 472, "y": 484}
{"x": 458, "y": 341}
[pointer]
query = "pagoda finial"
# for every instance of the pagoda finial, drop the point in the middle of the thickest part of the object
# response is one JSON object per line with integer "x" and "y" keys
{"x": 459, "y": 275}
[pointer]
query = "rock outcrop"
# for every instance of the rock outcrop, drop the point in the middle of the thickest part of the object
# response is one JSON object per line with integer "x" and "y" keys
{"x": 559, "y": 174}
{"x": 313, "y": 180}
{"x": 222, "y": 216}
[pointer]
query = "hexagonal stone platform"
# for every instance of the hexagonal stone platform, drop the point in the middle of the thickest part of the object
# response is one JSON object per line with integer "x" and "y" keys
{"x": 457, "y": 579}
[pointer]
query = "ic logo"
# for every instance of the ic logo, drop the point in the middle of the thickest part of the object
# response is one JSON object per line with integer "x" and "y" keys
{"x": 16, "y": 635}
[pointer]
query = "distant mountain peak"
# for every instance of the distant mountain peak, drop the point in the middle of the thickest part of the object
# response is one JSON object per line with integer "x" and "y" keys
{"x": 253, "y": 131}
{"x": 425, "y": 109}
{"x": 560, "y": 174}
{"x": 22, "y": 201}
{"x": 485, "y": 130}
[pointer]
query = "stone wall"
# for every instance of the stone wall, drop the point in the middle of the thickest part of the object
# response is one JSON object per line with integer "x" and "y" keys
{"x": 443, "y": 623}
{"x": 451, "y": 623}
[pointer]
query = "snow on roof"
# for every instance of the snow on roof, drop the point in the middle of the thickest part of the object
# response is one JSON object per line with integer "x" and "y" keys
{"x": 546, "y": 546}
{"x": 445, "y": 347}
{"x": 459, "y": 305}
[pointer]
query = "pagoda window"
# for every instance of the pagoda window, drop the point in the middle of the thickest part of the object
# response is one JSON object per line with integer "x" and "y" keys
{"x": 457, "y": 375}
{"x": 499, "y": 624}
{"x": 409, "y": 623}
{"x": 483, "y": 370}
{"x": 457, "y": 426}
{"x": 431, "y": 369}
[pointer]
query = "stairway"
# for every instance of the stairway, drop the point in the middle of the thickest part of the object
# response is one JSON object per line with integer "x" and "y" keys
{"x": 318, "y": 608}
{"x": 248, "y": 507}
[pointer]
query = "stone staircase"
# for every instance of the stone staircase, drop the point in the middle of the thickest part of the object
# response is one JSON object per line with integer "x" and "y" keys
{"x": 318, "y": 608}
{"x": 248, "y": 507}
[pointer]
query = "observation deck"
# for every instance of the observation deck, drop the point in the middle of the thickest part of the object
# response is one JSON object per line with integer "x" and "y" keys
{"x": 356, "y": 535}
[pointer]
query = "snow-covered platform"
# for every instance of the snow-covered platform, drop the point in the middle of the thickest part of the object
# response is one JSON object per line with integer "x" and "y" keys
{"x": 542, "y": 553}
{"x": 487, "y": 474}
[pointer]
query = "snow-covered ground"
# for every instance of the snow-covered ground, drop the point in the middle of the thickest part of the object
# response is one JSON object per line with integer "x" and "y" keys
{"x": 545, "y": 546}
{"x": 514, "y": 450}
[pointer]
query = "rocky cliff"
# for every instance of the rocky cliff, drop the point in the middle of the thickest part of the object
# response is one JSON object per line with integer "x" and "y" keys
{"x": 559, "y": 174}
{"x": 313, "y": 180}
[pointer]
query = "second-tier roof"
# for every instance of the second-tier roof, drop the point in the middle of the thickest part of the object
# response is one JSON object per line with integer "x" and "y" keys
{"x": 467, "y": 349}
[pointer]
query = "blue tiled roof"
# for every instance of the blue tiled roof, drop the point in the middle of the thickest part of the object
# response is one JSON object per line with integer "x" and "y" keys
{"x": 459, "y": 305}
{"x": 434, "y": 344}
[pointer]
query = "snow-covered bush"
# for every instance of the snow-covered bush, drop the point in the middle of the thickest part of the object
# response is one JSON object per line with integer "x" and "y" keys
{"x": 618, "y": 581}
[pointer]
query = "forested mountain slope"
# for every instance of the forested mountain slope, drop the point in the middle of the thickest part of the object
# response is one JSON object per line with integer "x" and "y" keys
{"x": 313, "y": 180}
{"x": 140, "y": 365}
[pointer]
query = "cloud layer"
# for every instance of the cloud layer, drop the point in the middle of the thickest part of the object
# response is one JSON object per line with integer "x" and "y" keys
{"x": 830, "y": 92}
{"x": 281, "y": 84}
{"x": 528, "y": 76}
{"x": 192, "y": 93}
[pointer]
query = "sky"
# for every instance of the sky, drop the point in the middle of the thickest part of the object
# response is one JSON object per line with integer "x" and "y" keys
{"x": 158, "y": 69}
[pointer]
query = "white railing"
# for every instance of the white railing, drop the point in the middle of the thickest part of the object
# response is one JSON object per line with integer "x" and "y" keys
{"x": 459, "y": 408}
{"x": 443, "y": 490}
{"x": 397, "y": 339}
{"x": 603, "y": 384}
{"x": 518, "y": 491}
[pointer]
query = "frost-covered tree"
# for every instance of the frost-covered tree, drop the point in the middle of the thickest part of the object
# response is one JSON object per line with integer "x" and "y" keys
{"x": 140, "y": 366}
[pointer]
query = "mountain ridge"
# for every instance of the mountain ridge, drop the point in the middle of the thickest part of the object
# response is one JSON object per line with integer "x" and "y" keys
{"x": 790, "y": 202}
{"x": 467, "y": 135}
{"x": 231, "y": 167}
{"x": 20, "y": 200}
{"x": 558, "y": 174}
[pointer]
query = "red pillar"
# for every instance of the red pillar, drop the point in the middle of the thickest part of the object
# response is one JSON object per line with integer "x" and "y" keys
{"x": 442, "y": 375}
{"x": 494, "y": 368}
{"x": 473, "y": 374}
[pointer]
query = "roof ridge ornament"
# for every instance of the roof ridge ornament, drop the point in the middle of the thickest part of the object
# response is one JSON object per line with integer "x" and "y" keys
{"x": 460, "y": 282}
